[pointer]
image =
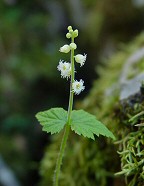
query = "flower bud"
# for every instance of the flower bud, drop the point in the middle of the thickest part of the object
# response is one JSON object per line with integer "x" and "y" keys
{"x": 69, "y": 28}
{"x": 73, "y": 46}
{"x": 75, "y": 33}
{"x": 65, "y": 49}
{"x": 68, "y": 35}
{"x": 71, "y": 31}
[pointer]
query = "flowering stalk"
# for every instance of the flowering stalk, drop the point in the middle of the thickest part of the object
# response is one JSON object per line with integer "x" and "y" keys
{"x": 67, "y": 126}
{"x": 65, "y": 49}
{"x": 71, "y": 83}
{"x": 79, "y": 121}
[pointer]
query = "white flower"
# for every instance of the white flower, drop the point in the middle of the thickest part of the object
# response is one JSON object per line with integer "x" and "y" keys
{"x": 77, "y": 86}
{"x": 64, "y": 68}
{"x": 65, "y": 49}
{"x": 79, "y": 58}
{"x": 73, "y": 46}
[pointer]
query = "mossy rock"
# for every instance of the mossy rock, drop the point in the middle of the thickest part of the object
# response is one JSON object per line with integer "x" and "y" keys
{"x": 90, "y": 163}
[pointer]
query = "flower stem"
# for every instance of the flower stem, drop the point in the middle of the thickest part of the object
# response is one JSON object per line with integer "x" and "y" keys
{"x": 72, "y": 80}
{"x": 67, "y": 126}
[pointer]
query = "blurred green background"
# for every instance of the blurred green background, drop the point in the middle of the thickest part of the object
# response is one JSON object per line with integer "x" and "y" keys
{"x": 31, "y": 33}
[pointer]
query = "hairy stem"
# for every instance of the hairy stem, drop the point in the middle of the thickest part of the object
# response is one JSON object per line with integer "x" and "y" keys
{"x": 67, "y": 126}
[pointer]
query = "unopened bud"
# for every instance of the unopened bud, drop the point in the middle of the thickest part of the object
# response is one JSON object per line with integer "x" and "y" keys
{"x": 69, "y": 28}
{"x": 75, "y": 33}
{"x": 65, "y": 49}
{"x": 68, "y": 35}
{"x": 73, "y": 46}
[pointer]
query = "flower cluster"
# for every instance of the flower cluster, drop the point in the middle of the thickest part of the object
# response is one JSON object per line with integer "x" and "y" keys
{"x": 65, "y": 68}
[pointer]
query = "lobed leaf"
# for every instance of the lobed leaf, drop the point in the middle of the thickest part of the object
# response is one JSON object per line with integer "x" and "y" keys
{"x": 52, "y": 120}
{"x": 87, "y": 125}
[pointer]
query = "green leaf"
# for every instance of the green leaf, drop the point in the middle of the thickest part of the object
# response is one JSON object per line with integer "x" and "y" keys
{"x": 52, "y": 120}
{"x": 87, "y": 125}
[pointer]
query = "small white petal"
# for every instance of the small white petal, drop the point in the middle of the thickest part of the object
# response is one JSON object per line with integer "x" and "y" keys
{"x": 79, "y": 58}
{"x": 77, "y": 86}
{"x": 59, "y": 67}
{"x": 65, "y": 49}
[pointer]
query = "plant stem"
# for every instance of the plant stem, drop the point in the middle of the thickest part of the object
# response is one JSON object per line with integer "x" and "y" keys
{"x": 67, "y": 126}
{"x": 72, "y": 80}
{"x": 60, "y": 156}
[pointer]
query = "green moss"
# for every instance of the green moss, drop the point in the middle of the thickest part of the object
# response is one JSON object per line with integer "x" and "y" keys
{"x": 132, "y": 158}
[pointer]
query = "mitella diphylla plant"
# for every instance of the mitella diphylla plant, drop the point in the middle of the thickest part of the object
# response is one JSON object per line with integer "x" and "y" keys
{"x": 79, "y": 121}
